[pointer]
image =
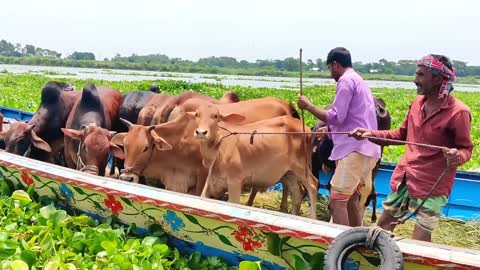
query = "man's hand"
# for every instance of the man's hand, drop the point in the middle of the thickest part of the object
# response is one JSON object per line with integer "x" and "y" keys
{"x": 452, "y": 156}
{"x": 303, "y": 102}
{"x": 360, "y": 133}
{"x": 321, "y": 136}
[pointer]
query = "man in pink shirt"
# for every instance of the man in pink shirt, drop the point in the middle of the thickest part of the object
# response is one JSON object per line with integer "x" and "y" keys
{"x": 353, "y": 106}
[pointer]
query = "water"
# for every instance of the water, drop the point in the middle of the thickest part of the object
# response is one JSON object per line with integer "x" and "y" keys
{"x": 228, "y": 80}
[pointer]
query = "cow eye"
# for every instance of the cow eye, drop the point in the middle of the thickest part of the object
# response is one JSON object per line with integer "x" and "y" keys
{"x": 145, "y": 149}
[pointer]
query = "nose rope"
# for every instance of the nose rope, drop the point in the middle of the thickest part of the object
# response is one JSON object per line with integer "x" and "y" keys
{"x": 81, "y": 166}
{"x": 27, "y": 152}
{"x": 141, "y": 168}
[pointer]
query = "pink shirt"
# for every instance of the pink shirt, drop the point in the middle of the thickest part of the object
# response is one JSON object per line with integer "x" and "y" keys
{"x": 352, "y": 108}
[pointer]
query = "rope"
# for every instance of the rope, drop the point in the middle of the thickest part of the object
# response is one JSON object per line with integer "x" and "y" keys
{"x": 27, "y": 152}
{"x": 402, "y": 218}
{"x": 81, "y": 166}
{"x": 372, "y": 236}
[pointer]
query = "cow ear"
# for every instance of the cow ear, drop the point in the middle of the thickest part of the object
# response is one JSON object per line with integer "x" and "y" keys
{"x": 233, "y": 117}
{"x": 72, "y": 133}
{"x": 160, "y": 142}
{"x": 117, "y": 151}
{"x": 118, "y": 138}
{"x": 39, "y": 143}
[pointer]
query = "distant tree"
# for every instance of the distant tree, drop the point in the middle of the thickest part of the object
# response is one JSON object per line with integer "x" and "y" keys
{"x": 82, "y": 56}
{"x": 29, "y": 50}
{"x": 291, "y": 64}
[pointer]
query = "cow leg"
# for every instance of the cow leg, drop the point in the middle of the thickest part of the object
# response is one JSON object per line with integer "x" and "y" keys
{"x": 311, "y": 185}
{"x": 251, "y": 198}
{"x": 234, "y": 190}
{"x": 291, "y": 184}
{"x": 284, "y": 202}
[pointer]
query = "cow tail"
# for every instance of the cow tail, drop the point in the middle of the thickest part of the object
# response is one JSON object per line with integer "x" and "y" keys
{"x": 293, "y": 111}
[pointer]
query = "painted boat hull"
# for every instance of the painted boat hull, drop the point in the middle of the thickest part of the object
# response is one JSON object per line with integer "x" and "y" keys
{"x": 212, "y": 227}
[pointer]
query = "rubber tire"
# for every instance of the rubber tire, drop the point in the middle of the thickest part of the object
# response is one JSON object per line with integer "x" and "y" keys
{"x": 390, "y": 255}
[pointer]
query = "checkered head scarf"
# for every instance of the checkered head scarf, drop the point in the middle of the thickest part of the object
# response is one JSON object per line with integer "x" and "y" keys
{"x": 448, "y": 75}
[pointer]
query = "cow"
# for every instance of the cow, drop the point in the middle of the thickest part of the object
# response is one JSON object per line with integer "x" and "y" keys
{"x": 87, "y": 131}
{"x": 42, "y": 138}
{"x": 233, "y": 161}
{"x": 145, "y": 157}
{"x": 132, "y": 103}
{"x": 147, "y": 154}
{"x": 322, "y": 150}
{"x": 154, "y": 88}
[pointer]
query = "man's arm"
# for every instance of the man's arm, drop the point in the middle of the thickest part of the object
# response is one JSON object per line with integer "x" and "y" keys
{"x": 337, "y": 112}
{"x": 461, "y": 126}
{"x": 394, "y": 134}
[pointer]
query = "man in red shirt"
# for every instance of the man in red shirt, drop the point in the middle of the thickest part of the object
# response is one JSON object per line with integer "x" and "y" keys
{"x": 437, "y": 118}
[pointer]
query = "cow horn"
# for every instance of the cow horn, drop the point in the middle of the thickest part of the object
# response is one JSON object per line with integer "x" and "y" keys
{"x": 126, "y": 122}
{"x": 30, "y": 127}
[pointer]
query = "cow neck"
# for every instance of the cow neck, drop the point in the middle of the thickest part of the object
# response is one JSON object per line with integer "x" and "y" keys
{"x": 172, "y": 131}
{"x": 210, "y": 149}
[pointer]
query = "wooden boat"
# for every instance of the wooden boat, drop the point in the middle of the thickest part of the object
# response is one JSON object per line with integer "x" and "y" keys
{"x": 214, "y": 228}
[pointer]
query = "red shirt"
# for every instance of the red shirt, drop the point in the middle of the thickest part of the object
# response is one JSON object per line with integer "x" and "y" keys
{"x": 449, "y": 126}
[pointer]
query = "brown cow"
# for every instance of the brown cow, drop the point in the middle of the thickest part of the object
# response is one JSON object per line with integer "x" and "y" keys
{"x": 147, "y": 154}
{"x": 87, "y": 135}
{"x": 42, "y": 138}
{"x": 234, "y": 162}
{"x": 142, "y": 158}
{"x": 157, "y": 110}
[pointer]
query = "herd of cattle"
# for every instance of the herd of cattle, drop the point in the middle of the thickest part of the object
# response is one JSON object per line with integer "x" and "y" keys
{"x": 185, "y": 143}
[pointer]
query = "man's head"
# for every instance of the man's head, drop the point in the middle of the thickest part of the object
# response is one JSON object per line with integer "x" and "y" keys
{"x": 338, "y": 60}
{"x": 434, "y": 75}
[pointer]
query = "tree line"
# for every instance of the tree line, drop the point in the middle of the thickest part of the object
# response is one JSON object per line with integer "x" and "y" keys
{"x": 163, "y": 62}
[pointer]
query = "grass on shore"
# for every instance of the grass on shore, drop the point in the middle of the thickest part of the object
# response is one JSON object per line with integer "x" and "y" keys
{"x": 458, "y": 233}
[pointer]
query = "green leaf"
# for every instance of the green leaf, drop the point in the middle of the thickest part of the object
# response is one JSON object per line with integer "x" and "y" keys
{"x": 4, "y": 188}
{"x": 149, "y": 241}
{"x": 300, "y": 264}
{"x": 28, "y": 256}
{"x": 225, "y": 240}
{"x": 127, "y": 201}
{"x": 317, "y": 260}
{"x": 156, "y": 230}
{"x": 21, "y": 196}
{"x": 109, "y": 246}
{"x": 274, "y": 244}
{"x": 58, "y": 216}
{"x": 97, "y": 205}
{"x": 18, "y": 265}
{"x": 192, "y": 219}
{"x": 51, "y": 265}
{"x": 247, "y": 265}
{"x": 373, "y": 260}
{"x": 3, "y": 236}
{"x": 47, "y": 211}
{"x": 78, "y": 190}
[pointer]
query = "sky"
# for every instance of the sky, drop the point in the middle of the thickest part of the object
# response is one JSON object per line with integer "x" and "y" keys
{"x": 248, "y": 29}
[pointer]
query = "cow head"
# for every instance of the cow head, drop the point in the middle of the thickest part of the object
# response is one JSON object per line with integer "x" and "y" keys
{"x": 94, "y": 147}
{"x": 207, "y": 118}
{"x": 20, "y": 137}
{"x": 138, "y": 143}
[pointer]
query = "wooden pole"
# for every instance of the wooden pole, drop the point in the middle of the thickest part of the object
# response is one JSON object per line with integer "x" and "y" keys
{"x": 303, "y": 119}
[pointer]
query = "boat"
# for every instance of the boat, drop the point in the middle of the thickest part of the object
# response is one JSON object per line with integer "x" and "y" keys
{"x": 216, "y": 228}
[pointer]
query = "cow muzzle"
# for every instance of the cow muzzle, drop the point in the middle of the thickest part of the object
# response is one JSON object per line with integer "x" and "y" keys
{"x": 201, "y": 133}
{"x": 129, "y": 177}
